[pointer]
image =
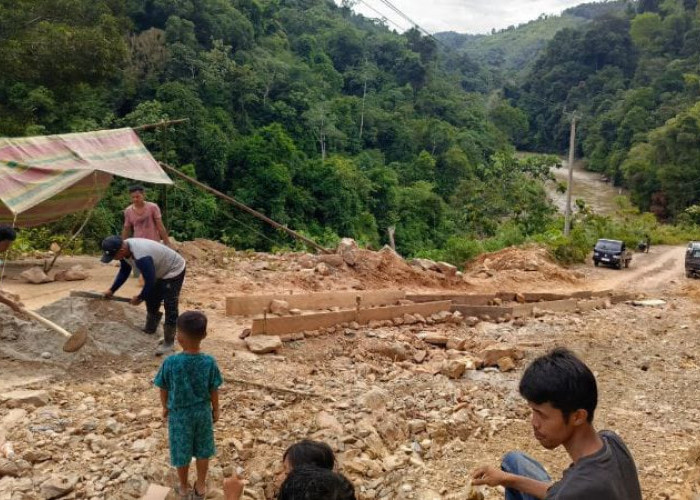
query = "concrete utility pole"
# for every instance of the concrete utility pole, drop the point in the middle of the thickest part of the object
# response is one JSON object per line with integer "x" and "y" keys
{"x": 569, "y": 187}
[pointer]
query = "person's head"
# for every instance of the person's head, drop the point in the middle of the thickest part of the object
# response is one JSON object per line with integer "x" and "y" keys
{"x": 191, "y": 328}
{"x": 114, "y": 247}
{"x": 308, "y": 453}
{"x": 314, "y": 483}
{"x": 7, "y": 236}
{"x": 138, "y": 194}
{"x": 562, "y": 393}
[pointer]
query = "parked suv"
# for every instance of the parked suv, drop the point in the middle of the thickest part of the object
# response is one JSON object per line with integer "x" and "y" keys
{"x": 611, "y": 253}
{"x": 692, "y": 259}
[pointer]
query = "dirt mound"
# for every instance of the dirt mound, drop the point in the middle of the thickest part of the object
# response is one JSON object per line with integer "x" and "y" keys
{"x": 202, "y": 251}
{"x": 113, "y": 329}
{"x": 521, "y": 264}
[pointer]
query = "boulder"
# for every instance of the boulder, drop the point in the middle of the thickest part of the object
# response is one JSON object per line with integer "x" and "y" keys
{"x": 434, "y": 338}
{"x": 57, "y": 486}
{"x": 453, "y": 368}
{"x": 493, "y": 353}
{"x": 35, "y": 275}
{"x": 263, "y": 344}
{"x": 347, "y": 249}
{"x": 323, "y": 269}
{"x": 15, "y": 399}
{"x": 394, "y": 351}
{"x": 506, "y": 364}
{"x": 446, "y": 268}
{"x": 424, "y": 264}
{"x": 325, "y": 420}
{"x": 374, "y": 399}
{"x": 471, "y": 321}
{"x": 280, "y": 307}
{"x": 75, "y": 273}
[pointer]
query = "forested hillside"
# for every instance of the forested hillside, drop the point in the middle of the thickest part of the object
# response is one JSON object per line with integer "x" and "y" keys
{"x": 633, "y": 80}
{"x": 323, "y": 120}
{"x": 506, "y": 54}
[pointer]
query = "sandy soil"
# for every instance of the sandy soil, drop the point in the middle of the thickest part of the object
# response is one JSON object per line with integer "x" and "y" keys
{"x": 401, "y": 429}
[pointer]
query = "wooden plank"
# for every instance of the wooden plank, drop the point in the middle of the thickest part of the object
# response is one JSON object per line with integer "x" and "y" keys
{"x": 566, "y": 305}
{"x": 507, "y": 296}
{"x": 248, "y": 305}
{"x": 514, "y": 311}
{"x": 315, "y": 321}
{"x": 544, "y": 296}
{"x": 589, "y": 305}
{"x": 476, "y": 299}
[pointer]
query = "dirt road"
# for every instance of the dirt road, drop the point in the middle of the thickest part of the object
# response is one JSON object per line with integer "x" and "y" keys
{"x": 660, "y": 269}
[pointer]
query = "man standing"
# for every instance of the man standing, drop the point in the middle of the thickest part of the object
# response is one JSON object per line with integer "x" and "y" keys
{"x": 142, "y": 219}
{"x": 7, "y": 236}
{"x": 163, "y": 272}
{"x": 562, "y": 393}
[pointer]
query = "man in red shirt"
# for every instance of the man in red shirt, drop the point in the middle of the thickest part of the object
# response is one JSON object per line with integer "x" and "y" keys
{"x": 143, "y": 218}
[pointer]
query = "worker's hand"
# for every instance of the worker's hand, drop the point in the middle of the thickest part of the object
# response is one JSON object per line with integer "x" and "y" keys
{"x": 490, "y": 476}
{"x": 108, "y": 294}
{"x": 233, "y": 488}
{"x": 215, "y": 414}
{"x": 136, "y": 300}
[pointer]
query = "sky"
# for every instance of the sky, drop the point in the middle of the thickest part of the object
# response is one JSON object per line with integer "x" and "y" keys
{"x": 462, "y": 16}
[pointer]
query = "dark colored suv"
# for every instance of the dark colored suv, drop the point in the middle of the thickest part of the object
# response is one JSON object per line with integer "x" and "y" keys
{"x": 692, "y": 259}
{"x": 611, "y": 253}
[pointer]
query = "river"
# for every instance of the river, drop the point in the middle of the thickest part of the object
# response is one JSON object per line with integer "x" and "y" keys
{"x": 589, "y": 186}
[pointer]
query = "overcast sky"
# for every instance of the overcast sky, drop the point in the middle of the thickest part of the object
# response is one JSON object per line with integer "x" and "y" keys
{"x": 463, "y": 16}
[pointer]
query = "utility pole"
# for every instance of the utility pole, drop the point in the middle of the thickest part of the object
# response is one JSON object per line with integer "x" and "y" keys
{"x": 569, "y": 187}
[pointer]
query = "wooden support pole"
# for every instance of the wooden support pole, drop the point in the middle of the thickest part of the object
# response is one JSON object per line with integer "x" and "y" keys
{"x": 164, "y": 123}
{"x": 245, "y": 208}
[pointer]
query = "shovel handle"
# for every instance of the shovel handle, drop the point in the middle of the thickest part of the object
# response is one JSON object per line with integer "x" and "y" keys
{"x": 49, "y": 324}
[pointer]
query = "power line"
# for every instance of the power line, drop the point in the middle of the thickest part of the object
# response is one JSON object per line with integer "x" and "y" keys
{"x": 382, "y": 15}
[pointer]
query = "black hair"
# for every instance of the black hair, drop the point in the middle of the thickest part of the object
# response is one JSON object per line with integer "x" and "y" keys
{"x": 308, "y": 452}
{"x": 561, "y": 379}
{"x": 7, "y": 233}
{"x": 314, "y": 483}
{"x": 136, "y": 187}
{"x": 193, "y": 324}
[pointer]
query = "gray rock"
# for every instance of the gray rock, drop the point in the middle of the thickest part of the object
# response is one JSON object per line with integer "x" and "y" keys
{"x": 263, "y": 344}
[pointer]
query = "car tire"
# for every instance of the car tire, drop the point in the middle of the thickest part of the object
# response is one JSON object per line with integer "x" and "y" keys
{"x": 596, "y": 263}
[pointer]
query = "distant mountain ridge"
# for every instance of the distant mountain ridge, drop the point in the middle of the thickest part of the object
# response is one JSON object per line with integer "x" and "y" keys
{"x": 512, "y": 49}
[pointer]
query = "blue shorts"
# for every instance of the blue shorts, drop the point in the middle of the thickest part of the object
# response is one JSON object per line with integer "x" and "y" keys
{"x": 191, "y": 434}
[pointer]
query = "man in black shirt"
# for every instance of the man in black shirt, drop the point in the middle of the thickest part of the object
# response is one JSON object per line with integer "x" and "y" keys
{"x": 562, "y": 393}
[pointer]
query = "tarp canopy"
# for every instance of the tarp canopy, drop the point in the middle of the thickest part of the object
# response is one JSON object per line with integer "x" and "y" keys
{"x": 45, "y": 178}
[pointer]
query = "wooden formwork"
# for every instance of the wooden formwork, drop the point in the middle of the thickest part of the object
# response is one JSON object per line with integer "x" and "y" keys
{"x": 514, "y": 311}
{"x": 476, "y": 299}
{"x": 248, "y": 305}
{"x": 315, "y": 321}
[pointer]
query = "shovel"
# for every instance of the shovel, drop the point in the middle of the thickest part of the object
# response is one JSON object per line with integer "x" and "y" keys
{"x": 97, "y": 295}
{"x": 73, "y": 341}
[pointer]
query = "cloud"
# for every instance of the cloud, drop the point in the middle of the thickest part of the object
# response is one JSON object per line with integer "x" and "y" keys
{"x": 465, "y": 16}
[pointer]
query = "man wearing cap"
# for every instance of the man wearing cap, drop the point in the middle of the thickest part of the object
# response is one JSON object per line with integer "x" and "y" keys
{"x": 163, "y": 271}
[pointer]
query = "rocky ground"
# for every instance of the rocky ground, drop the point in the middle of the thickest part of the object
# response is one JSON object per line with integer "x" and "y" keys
{"x": 409, "y": 409}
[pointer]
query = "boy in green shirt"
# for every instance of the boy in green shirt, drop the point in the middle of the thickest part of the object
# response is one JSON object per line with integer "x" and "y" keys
{"x": 189, "y": 383}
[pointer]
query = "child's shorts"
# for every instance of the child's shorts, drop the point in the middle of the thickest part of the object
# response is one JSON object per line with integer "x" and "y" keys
{"x": 191, "y": 434}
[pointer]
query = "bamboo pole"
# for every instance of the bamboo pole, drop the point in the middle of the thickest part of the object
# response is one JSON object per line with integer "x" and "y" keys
{"x": 245, "y": 208}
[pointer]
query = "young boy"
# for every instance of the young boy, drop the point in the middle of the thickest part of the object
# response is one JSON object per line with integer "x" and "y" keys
{"x": 562, "y": 393}
{"x": 189, "y": 383}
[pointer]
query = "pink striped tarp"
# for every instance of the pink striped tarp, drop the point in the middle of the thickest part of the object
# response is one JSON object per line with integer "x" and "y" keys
{"x": 44, "y": 178}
